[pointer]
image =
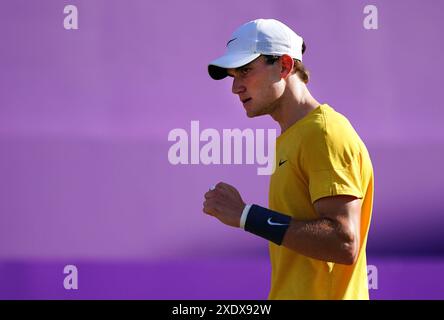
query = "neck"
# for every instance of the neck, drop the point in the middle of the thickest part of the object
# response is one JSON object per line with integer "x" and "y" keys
{"x": 295, "y": 103}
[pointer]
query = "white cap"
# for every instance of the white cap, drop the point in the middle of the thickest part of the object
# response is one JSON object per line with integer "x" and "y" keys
{"x": 255, "y": 38}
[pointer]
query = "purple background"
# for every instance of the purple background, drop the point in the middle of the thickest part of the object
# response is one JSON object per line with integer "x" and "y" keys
{"x": 84, "y": 120}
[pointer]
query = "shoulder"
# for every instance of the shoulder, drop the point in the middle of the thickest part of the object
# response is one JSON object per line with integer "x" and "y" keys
{"x": 327, "y": 122}
{"x": 329, "y": 134}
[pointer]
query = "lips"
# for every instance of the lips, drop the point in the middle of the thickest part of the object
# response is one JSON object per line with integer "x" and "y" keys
{"x": 245, "y": 100}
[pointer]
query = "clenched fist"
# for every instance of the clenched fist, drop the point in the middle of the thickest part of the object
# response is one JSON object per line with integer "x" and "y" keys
{"x": 225, "y": 203}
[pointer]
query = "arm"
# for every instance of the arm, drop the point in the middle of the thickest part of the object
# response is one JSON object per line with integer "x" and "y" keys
{"x": 333, "y": 237}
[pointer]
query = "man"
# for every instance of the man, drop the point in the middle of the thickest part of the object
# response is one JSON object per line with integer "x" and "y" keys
{"x": 321, "y": 192}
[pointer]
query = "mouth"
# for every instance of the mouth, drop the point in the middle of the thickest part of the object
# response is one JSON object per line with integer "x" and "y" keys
{"x": 244, "y": 101}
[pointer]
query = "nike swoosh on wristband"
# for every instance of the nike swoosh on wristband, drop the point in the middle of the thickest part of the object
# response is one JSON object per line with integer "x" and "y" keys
{"x": 271, "y": 223}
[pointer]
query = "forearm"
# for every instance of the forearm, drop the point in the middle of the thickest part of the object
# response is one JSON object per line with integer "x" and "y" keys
{"x": 322, "y": 239}
{"x": 333, "y": 237}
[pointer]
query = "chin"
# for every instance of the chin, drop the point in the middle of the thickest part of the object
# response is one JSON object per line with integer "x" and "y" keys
{"x": 250, "y": 113}
{"x": 253, "y": 113}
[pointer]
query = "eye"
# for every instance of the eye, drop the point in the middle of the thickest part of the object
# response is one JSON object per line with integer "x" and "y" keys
{"x": 244, "y": 71}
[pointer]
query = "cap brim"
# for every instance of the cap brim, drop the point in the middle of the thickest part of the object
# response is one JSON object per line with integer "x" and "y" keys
{"x": 217, "y": 69}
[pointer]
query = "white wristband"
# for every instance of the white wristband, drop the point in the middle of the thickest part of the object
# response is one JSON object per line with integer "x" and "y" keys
{"x": 244, "y": 215}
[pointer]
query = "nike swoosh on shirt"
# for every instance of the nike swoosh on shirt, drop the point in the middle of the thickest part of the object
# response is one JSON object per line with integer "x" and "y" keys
{"x": 282, "y": 162}
{"x": 271, "y": 223}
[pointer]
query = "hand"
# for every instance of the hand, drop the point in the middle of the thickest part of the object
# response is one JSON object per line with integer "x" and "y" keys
{"x": 225, "y": 203}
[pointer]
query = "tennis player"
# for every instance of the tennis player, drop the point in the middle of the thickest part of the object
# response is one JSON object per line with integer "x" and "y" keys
{"x": 321, "y": 192}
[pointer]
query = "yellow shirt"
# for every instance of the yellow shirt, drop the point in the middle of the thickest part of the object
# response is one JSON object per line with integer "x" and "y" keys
{"x": 320, "y": 155}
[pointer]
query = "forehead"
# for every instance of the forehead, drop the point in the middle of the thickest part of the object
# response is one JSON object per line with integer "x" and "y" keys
{"x": 258, "y": 61}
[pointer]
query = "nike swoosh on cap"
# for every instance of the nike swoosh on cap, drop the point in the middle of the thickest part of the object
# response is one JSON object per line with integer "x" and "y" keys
{"x": 230, "y": 41}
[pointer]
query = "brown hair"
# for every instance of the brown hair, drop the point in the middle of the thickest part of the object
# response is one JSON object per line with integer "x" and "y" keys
{"x": 298, "y": 68}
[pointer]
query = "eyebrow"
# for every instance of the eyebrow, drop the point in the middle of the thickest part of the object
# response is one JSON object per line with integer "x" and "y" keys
{"x": 240, "y": 68}
{"x": 229, "y": 74}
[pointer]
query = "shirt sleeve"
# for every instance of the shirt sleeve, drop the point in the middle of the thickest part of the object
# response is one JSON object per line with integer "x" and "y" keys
{"x": 332, "y": 162}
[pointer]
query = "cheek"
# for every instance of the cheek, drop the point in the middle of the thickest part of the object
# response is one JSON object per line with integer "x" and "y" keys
{"x": 272, "y": 90}
{"x": 272, "y": 85}
{"x": 266, "y": 87}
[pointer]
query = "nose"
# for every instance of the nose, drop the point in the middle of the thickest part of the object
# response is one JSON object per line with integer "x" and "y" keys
{"x": 237, "y": 87}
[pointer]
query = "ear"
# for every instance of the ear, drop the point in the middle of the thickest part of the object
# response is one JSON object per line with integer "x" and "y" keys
{"x": 287, "y": 65}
